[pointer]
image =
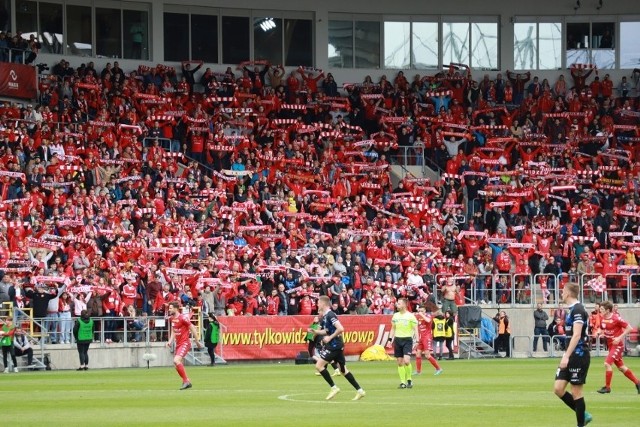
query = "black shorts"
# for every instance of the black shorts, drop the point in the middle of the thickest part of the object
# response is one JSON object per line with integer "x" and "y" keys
{"x": 402, "y": 347}
{"x": 332, "y": 356}
{"x": 576, "y": 370}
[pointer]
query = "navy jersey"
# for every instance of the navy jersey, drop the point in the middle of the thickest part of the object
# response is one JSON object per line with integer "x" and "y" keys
{"x": 328, "y": 323}
{"x": 578, "y": 314}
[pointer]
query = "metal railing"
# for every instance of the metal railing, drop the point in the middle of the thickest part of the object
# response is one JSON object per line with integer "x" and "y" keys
{"x": 528, "y": 339}
{"x": 529, "y": 290}
{"x": 413, "y": 156}
{"x": 171, "y": 145}
{"x": 15, "y": 55}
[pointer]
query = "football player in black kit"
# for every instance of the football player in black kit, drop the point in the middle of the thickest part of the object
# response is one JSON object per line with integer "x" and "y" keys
{"x": 333, "y": 348}
{"x": 574, "y": 364}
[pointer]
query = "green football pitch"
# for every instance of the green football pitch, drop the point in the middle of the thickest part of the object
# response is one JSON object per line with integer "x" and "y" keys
{"x": 469, "y": 393}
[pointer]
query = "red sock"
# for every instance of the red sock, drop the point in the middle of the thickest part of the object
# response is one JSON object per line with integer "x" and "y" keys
{"x": 629, "y": 374}
{"x": 182, "y": 373}
{"x": 419, "y": 364}
{"x": 607, "y": 377}
{"x": 434, "y": 362}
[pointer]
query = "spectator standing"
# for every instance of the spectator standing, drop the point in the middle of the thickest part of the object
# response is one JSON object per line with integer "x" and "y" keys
{"x": 83, "y": 333}
{"x": 39, "y": 303}
{"x": 449, "y": 292}
{"x": 212, "y": 337}
{"x": 503, "y": 340}
{"x": 449, "y": 317}
{"x": 7, "y": 333}
{"x": 540, "y": 328}
{"x": 189, "y": 74}
{"x": 66, "y": 324}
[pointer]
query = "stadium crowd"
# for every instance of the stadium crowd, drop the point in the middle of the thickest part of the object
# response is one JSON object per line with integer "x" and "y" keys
{"x": 263, "y": 189}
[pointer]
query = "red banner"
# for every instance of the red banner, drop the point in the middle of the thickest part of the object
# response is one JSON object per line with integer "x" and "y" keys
{"x": 282, "y": 337}
{"x": 18, "y": 81}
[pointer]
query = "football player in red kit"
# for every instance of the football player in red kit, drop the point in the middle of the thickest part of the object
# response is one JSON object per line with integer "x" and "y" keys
{"x": 425, "y": 341}
{"x": 181, "y": 326}
{"x": 614, "y": 329}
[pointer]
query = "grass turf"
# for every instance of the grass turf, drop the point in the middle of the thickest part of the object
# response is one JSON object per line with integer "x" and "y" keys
{"x": 469, "y": 393}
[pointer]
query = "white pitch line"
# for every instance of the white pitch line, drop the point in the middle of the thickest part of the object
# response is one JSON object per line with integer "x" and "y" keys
{"x": 191, "y": 390}
{"x": 291, "y": 398}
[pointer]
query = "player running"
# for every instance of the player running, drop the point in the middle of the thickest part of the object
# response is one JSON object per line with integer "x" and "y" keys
{"x": 614, "y": 329}
{"x": 333, "y": 351}
{"x": 425, "y": 342}
{"x": 181, "y": 326}
{"x": 404, "y": 336}
{"x": 574, "y": 364}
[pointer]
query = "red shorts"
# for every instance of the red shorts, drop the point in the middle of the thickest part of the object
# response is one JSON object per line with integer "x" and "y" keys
{"x": 615, "y": 355}
{"x": 183, "y": 348}
{"x": 425, "y": 345}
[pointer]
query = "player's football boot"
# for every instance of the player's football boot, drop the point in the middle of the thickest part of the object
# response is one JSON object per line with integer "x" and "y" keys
{"x": 359, "y": 395}
{"x": 334, "y": 391}
{"x": 587, "y": 418}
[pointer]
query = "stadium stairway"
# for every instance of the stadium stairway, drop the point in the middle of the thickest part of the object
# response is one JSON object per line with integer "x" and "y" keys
{"x": 200, "y": 357}
{"x": 471, "y": 346}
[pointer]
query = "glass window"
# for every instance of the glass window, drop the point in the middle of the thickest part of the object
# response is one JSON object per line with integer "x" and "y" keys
{"x": 591, "y": 43}
{"x": 135, "y": 33}
{"x": 397, "y": 44}
{"x": 235, "y": 39}
{"x": 267, "y": 39}
{"x": 425, "y": 44}
{"x": 51, "y": 28}
{"x": 605, "y": 59}
{"x": 603, "y": 54}
{"x": 79, "y": 30}
{"x": 367, "y": 44}
{"x": 176, "y": 40}
{"x": 629, "y": 47}
{"x": 578, "y": 56}
{"x": 108, "y": 33}
{"x": 204, "y": 38}
{"x": 455, "y": 43}
{"x": 578, "y": 35}
{"x": 341, "y": 44}
{"x": 549, "y": 45}
{"x": 298, "y": 42}
{"x": 5, "y": 15}
{"x": 26, "y": 18}
{"x": 602, "y": 35}
{"x": 525, "y": 46}
{"x": 484, "y": 52}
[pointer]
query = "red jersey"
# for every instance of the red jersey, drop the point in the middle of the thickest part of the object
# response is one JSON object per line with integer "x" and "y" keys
{"x": 613, "y": 327}
{"x": 272, "y": 305}
{"x": 424, "y": 327}
{"x": 180, "y": 325}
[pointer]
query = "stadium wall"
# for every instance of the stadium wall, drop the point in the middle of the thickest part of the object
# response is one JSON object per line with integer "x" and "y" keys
{"x": 131, "y": 355}
{"x": 507, "y": 12}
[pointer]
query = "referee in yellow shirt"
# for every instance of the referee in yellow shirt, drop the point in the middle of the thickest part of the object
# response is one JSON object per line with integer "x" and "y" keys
{"x": 404, "y": 336}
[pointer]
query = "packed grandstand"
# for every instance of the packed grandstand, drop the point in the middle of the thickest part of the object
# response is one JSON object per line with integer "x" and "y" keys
{"x": 271, "y": 188}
